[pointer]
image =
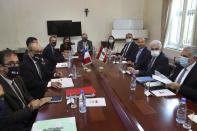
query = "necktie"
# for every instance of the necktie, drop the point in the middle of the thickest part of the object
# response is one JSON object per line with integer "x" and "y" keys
{"x": 181, "y": 76}
{"x": 38, "y": 69}
{"x": 19, "y": 94}
{"x": 137, "y": 56}
{"x": 151, "y": 63}
{"x": 125, "y": 49}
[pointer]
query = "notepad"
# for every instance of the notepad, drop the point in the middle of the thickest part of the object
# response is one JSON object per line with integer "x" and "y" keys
{"x": 162, "y": 79}
{"x": 62, "y": 124}
{"x": 95, "y": 102}
{"x": 163, "y": 92}
{"x": 75, "y": 57}
{"x": 66, "y": 82}
{"x": 64, "y": 64}
{"x": 144, "y": 79}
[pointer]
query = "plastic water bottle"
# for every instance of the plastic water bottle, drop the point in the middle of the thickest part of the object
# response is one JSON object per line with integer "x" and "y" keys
{"x": 133, "y": 82}
{"x": 109, "y": 56}
{"x": 74, "y": 72}
{"x": 181, "y": 111}
{"x": 69, "y": 61}
{"x": 82, "y": 102}
{"x": 120, "y": 64}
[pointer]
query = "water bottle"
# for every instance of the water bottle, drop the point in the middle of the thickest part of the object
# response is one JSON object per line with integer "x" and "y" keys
{"x": 74, "y": 72}
{"x": 82, "y": 102}
{"x": 69, "y": 61}
{"x": 181, "y": 111}
{"x": 109, "y": 56}
{"x": 120, "y": 64}
{"x": 133, "y": 82}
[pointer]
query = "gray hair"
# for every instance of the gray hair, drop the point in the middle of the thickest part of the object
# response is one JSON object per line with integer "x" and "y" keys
{"x": 192, "y": 50}
{"x": 156, "y": 42}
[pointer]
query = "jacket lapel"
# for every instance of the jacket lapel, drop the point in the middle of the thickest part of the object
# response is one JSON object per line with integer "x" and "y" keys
{"x": 191, "y": 74}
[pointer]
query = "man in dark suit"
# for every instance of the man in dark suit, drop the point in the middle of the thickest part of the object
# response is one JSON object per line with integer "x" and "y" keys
{"x": 84, "y": 43}
{"x": 159, "y": 61}
{"x": 130, "y": 49}
{"x": 34, "y": 74}
{"x": 19, "y": 106}
{"x": 1, "y": 100}
{"x": 50, "y": 55}
{"x": 142, "y": 57}
{"x": 29, "y": 41}
{"x": 185, "y": 74}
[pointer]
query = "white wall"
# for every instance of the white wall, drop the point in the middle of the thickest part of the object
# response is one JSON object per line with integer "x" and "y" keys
{"x": 23, "y": 18}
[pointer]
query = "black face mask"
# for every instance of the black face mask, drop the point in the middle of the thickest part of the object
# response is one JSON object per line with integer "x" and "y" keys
{"x": 84, "y": 39}
{"x": 37, "y": 57}
{"x": 13, "y": 72}
{"x": 53, "y": 44}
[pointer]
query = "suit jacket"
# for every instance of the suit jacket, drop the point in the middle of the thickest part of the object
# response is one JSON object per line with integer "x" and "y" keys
{"x": 188, "y": 88}
{"x": 34, "y": 84}
{"x": 65, "y": 46}
{"x": 80, "y": 47}
{"x": 131, "y": 52}
{"x": 161, "y": 64}
{"x": 51, "y": 57}
{"x": 142, "y": 63}
{"x": 25, "y": 54}
{"x": 14, "y": 116}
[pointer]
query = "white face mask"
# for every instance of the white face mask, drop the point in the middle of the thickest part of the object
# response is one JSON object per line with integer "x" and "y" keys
{"x": 155, "y": 53}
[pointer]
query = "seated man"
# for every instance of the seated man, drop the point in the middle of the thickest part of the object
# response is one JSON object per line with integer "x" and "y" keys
{"x": 29, "y": 41}
{"x": 34, "y": 74}
{"x": 84, "y": 43}
{"x": 130, "y": 49}
{"x": 50, "y": 55}
{"x": 159, "y": 61}
{"x": 142, "y": 57}
{"x": 184, "y": 76}
{"x": 19, "y": 107}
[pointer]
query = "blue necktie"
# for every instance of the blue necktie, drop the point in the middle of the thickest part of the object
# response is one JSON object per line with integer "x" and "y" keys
{"x": 151, "y": 63}
{"x": 137, "y": 56}
{"x": 181, "y": 76}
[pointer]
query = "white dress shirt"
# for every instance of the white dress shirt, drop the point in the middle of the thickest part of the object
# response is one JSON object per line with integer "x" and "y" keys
{"x": 189, "y": 68}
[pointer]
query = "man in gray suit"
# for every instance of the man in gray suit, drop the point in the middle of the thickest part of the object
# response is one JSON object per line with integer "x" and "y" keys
{"x": 84, "y": 43}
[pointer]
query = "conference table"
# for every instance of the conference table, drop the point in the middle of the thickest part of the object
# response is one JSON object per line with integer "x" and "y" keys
{"x": 125, "y": 109}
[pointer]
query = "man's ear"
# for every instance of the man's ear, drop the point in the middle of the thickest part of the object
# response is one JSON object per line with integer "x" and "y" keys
{"x": 195, "y": 58}
{"x": 1, "y": 67}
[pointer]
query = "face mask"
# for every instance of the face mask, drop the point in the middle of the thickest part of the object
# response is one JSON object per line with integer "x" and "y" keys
{"x": 84, "y": 39}
{"x": 184, "y": 61}
{"x": 13, "y": 72}
{"x": 155, "y": 53}
{"x": 128, "y": 40}
{"x": 37, "y": 57}
{"x": 111, "y": 41}
{"x": 53, "y": 44}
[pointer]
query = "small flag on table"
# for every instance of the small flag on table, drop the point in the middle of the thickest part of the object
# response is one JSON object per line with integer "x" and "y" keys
{"x": 102, "y": 55}
{"x": 86, "y": 60}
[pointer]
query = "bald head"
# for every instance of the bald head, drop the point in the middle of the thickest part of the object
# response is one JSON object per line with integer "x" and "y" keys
{"x": 141, "y": 42}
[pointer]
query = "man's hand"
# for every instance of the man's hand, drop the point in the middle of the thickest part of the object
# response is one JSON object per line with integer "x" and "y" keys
{"x": 56, "y": 84}
{"x": 1, "y": 91}
{"x": 45, "y": 100}
{"x": 174, "y": 86}
{"x": 34, "y": 104}
{"x": 132, "y": 70}
{"x": 58, "y": 74}
{"x": 130, "y": 63}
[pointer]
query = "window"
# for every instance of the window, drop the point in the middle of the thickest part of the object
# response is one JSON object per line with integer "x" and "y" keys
{"x": 182, "y": 24}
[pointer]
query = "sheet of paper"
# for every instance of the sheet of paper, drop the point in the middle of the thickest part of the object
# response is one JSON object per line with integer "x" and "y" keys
{"x": 63, "y": 124}
{"x": 95, "y": 102}
{"x": 124, "y": 62}
{"x": 147, "y": 93}
{"x": 193, "y": 117}
{"x": 66, "y": 82}
{"x": 75, "y": 57}
{"x": 64, "y": 64}
{"x": 153, "y": 84}
{"x": 164, "y": 80}
{"x": 163, "y": 92}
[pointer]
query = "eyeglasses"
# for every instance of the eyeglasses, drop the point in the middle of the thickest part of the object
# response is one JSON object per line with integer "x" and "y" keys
{"x": 154, "y": 49}
{"x": 11, "y": 64}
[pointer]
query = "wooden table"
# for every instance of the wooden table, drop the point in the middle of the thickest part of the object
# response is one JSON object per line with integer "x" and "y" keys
{"x": 125, "y": 110}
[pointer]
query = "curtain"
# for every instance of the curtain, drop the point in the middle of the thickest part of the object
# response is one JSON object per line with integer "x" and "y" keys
{"x": 166, "y": 8}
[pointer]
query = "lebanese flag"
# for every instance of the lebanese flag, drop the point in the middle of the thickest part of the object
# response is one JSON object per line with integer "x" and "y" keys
{"x": 102, "y": 55}
{"x": 86, "y": 58}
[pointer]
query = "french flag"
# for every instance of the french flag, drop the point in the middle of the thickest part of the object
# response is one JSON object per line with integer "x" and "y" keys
{"x": 86, "y": 60}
